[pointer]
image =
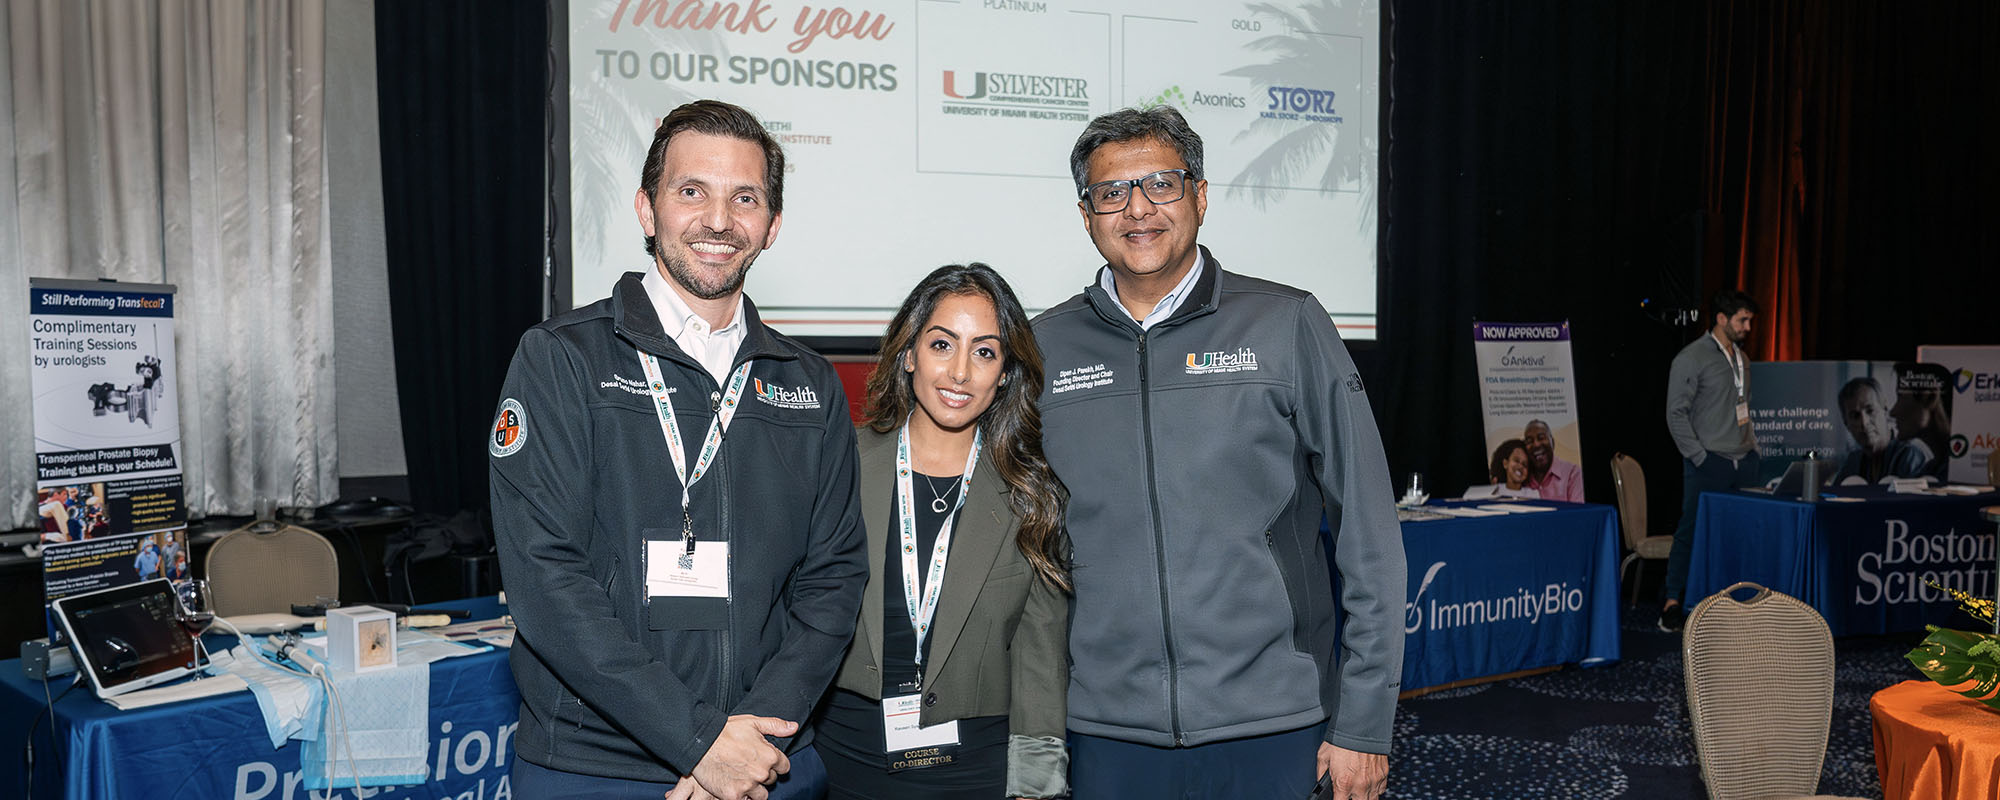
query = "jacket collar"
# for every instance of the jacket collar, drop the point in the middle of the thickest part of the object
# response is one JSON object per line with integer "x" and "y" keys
{"x": 984, "y": 527}
{"x": 632, "y": 312}
{"x": 1202, "y": 298}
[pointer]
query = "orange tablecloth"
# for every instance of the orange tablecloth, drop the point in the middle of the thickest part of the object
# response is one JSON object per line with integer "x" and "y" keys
{"x": 1931, "y": 744}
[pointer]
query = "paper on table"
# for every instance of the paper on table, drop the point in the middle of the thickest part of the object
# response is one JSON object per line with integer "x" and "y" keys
{"x": 1513, "y": 508}
{"x": 1462, "y": 511}
{"x": 176, "y": 692}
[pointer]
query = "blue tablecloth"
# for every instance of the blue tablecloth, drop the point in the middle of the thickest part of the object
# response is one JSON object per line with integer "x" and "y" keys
{"x": 1491, "y": 595}
{"x": 216, "y": 747}
{"x": 1863, "y": 565}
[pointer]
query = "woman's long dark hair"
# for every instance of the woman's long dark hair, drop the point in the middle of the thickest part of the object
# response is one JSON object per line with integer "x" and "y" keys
{"x": 1011, "y": 427}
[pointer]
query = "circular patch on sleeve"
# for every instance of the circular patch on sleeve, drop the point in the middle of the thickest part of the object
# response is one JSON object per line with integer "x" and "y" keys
{"x": 510, "y": 429}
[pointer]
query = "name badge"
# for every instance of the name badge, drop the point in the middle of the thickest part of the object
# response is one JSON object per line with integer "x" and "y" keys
{"x": 1742, "y": 413}
{"x": 669, "y": 573}
{"x": 911, "y": 745}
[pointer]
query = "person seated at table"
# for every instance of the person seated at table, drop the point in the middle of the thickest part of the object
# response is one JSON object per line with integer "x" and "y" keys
{"x": 965, "y": 615}
{"x": 1878, "y": 454}
{"x": 1509, "y": 471}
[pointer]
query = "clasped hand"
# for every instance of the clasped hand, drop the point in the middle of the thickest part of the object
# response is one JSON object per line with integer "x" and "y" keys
{"x": 741, "y": 764}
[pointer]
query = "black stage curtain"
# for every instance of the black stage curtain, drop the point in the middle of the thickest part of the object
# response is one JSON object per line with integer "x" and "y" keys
{"x": 461, "y": 87}
{"x": 1543, "y": 163}
{"x": 1848, "y": 148}
{"x": 1559, "y": 160}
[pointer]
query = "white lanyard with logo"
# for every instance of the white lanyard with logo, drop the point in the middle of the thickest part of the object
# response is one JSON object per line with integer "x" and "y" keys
{"x": 711, "y": 444}
{"x": 1737, "y": 364}
{"x": 922, "y": 600}
{"x": 902, "y": 731}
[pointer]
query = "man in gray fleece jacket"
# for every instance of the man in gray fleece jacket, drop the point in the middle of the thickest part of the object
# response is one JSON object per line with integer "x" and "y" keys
{"x": 1203, "y": 421}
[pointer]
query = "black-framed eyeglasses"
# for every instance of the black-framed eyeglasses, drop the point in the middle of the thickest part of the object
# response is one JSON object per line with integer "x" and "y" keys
{"x": 1160, "y": 188}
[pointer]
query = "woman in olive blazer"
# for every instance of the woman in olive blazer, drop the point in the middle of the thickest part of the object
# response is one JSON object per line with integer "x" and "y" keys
{"x": 951, "y": 402}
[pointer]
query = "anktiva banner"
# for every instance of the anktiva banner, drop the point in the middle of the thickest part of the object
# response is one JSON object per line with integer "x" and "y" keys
{"x": 107, "y": 422}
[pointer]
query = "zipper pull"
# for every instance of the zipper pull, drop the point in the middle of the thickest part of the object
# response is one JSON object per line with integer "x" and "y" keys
{"x": 714, "y": 401}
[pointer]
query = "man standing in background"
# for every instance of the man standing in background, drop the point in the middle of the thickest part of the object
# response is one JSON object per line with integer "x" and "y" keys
{"x": 1708, "y": 414}
{"x": 1203, "y": 421}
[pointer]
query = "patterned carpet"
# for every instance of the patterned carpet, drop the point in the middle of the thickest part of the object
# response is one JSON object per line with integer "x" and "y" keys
{"x": 1612, "y": 732}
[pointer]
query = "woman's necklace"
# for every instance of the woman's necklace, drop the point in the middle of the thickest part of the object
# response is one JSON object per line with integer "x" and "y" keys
{"x": 938, "y": 504}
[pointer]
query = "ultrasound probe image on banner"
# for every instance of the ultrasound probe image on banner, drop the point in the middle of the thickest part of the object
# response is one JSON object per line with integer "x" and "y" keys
{"x": 137, "y": 400}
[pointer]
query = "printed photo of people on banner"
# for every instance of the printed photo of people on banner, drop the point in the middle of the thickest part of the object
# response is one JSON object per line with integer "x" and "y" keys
{"x": 1872, "y": 422}
{"x": 1527, "y": 390}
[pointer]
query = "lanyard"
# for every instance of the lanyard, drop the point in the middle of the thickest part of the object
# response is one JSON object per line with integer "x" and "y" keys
{"x": 1736, "y": 364}
{"x": 922, "y": 611}
{"x": 710, "y": 446}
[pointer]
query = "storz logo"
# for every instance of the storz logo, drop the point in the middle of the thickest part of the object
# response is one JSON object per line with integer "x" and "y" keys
{"x": 1242, "y": 360}
{"x": 1300, "y": 103}
{"x": 1508, "y": 359}
{"x": 801, "y": 397}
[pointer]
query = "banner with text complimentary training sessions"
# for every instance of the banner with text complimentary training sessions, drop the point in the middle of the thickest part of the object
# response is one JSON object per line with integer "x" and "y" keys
{"x": 1526, "y": 376}
{"x": 107, "y": 433}
{"x": 1974, "y": 391}
{"x": 920, "y": 133}
{"x": 1895, "y": 415}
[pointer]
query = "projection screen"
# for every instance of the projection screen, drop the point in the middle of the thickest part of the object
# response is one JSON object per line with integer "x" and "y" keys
{"x": 919, "y": 133}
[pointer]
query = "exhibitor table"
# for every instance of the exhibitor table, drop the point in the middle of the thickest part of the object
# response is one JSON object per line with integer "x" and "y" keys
{"x": 1500, "y": 594}
{"x": 216, "y": 747}
{"x": 1861, "y": 560}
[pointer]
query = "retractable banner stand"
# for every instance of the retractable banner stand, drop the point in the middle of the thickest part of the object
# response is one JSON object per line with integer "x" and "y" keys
{"x": 107, "y": 434}
{"x": 1527, "y": 389}
{"x": 1973, "y": 390}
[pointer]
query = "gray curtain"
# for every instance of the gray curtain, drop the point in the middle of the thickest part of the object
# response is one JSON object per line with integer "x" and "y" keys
{"x": 180, "y": 141}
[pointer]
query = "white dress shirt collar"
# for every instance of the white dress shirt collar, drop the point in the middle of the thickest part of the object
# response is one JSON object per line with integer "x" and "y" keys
{"x": 715, "y": 349}
{"x": 1168, "y": 304}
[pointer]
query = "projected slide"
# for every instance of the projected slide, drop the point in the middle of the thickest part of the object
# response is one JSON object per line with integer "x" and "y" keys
{"x": 926, "y": 132}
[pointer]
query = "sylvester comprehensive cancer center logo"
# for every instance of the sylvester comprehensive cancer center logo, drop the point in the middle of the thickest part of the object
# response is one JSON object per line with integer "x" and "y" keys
{"x": 799, "y": 397}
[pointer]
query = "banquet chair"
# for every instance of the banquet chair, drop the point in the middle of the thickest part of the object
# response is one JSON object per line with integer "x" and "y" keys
{"x": 266, "y": 567}
{"x": 1993, "y": 469}
{"x": 1628, "y": 479}
{"x": 1760, "y": 693}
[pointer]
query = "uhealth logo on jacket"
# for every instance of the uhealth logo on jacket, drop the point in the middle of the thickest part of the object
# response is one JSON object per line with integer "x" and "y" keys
{"x": 1243, "y": 360}
{"x": 510, "y": 429}
{"x": 801, "y": 397}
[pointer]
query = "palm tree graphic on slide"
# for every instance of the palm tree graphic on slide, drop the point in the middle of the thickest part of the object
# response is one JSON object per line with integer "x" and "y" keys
{"x": 1342, "y": 159}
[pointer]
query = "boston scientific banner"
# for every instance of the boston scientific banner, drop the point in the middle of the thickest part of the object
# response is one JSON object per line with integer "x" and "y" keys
{"x": 1528, "y": 393}
{"x": 1973, "y": 391}
{"x": 1869, "y": 420}
{"x": 921, "y": 133}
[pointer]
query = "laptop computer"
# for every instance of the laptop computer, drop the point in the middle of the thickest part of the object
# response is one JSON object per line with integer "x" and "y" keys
{"x": 128, "y": 637}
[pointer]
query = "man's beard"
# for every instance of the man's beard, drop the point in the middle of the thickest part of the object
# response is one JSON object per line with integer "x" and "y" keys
{"x": 1541, "y": 459}
{"x": 697, "y": 283}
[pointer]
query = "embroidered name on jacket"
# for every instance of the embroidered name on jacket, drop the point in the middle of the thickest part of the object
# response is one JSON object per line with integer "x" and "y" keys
{"x": 1241, "y": 360}
{"x": 629, "y": 385}
{"x": 1074, "y": 378}
{"x": 799, "y": 397}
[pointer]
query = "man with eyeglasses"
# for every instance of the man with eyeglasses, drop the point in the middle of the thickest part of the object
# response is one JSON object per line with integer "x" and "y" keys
{"x": 1203, "y": 420}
